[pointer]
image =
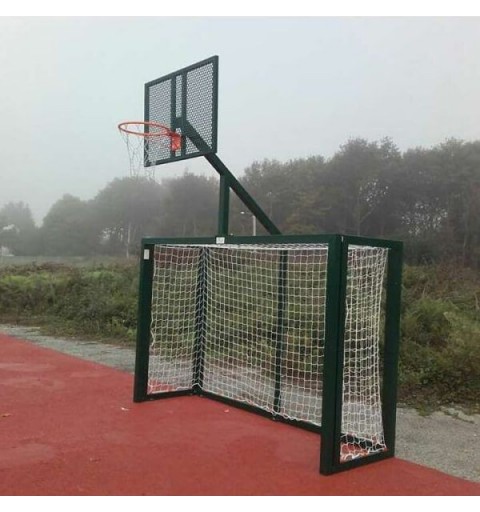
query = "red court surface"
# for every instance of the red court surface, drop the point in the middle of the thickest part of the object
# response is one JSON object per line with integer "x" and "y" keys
{"x": 69, "y": 427}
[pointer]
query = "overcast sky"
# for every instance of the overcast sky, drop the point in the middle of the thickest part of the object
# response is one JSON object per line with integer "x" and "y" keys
{"x": 289, "y": 88}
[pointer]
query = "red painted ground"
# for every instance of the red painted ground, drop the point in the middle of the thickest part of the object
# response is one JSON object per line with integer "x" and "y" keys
{"x": 69, "y": 427}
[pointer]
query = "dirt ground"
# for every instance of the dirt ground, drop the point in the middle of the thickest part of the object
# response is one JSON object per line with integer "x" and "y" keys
{"x": 447, "y": 440}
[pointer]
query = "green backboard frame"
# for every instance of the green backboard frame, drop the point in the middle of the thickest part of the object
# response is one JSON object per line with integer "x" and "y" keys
{"x": 187, "y": 102}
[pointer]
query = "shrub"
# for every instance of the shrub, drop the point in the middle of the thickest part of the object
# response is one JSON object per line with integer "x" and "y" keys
{"x": 96, "y": 301}
{"x": 440, "y": 346}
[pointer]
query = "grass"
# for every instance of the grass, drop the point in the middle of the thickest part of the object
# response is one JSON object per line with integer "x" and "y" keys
{"x": 98, "y": 301}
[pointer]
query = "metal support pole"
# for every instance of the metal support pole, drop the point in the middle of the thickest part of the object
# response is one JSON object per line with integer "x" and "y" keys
{"x": 223, "y": 206}
{"x": 279, "y": 335}
{"x": 144, "y": 319}
{"x": 200, "y": 321}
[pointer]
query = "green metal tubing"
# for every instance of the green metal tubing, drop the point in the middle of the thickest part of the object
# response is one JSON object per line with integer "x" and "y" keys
{"x": 333, "y": 329}
{"x": 195, "y": 138}
{"x": 170, "y": 394}
{"x": 215, "y": 105}
{"x": 183, "y": 151}
{"x": 340, "y": 351}
{"x": 173, "y": 110}
{"x": 202, "y": 240}
{"x": 213, "y": 60}
{"x": 279, "y": 335}
{"x": 200, "y": 322}
{"x": 146, "y": 110}
{"x": 234, "y": 239}
{"x": 234, "y": 184}
{"x": 280, "y": 239}
{"x": 223, "y": 206}
{"x": 331, "y": 419}
{"x": 392, "y": 342}
{"x": 242, "y": 194}
{"x": 143, "y": 327}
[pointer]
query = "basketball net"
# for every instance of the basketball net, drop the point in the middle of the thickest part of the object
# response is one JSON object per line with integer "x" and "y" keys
{"x": 139, "y": 136}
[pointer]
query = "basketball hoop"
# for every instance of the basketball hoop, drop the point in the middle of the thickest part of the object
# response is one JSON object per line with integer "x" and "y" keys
{"x": 142, "y": 138}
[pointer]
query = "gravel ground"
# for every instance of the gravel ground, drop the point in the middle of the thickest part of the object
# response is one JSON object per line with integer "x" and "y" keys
{"x": 447, "y": 440}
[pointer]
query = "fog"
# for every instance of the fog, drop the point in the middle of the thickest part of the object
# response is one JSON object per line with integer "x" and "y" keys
{"x": 289, "y": 88}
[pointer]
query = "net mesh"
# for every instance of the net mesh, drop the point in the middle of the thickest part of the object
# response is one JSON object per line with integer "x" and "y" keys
{"x": 265, "y": 335}
{"x": 186, "y": 101}
{"x": 173, "y": 328}
{"x": 260, "y": 313}
{"x": 362, "y": 425}
{"x": 140, "y": 145}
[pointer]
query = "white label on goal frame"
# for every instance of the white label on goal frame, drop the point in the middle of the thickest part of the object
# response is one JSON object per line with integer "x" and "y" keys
{"x": 146, "y": 254}
{"x": 220, "y": 240}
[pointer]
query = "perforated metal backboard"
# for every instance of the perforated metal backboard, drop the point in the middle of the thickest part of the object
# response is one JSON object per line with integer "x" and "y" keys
{"x": 186, "y": 102}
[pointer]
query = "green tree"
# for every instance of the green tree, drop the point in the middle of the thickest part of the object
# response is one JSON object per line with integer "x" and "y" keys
{"x": 283, "y": 190}
{"x": 358, "y": 187}
{"x": 459, "y": 165}
{"x": 68, "y": 229}
{"x": 189, "y": 207}
{"x": 440, "y": 205}
{"x": 126, "y": 210}
{"x": 17, "y": 229}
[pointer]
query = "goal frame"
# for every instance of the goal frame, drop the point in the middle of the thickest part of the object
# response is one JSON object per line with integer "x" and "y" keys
{"x": 335, "y": 311}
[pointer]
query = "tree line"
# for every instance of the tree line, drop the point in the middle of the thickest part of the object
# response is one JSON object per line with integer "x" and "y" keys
{"x": 429, "y": 198}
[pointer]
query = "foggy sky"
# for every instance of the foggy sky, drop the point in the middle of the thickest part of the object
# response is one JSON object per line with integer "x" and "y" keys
{"x": 289, "y": 88}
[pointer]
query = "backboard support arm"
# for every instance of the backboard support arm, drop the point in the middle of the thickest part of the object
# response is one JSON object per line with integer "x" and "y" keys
{"x": 227, "y": 182}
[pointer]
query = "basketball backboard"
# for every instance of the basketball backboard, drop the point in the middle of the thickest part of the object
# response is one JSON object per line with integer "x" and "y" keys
{"x": 187, "y": 102}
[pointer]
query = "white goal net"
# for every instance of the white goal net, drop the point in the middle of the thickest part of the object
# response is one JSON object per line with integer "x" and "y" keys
{"x": 247, "y": 323}
{"x": 362, "y": 424}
